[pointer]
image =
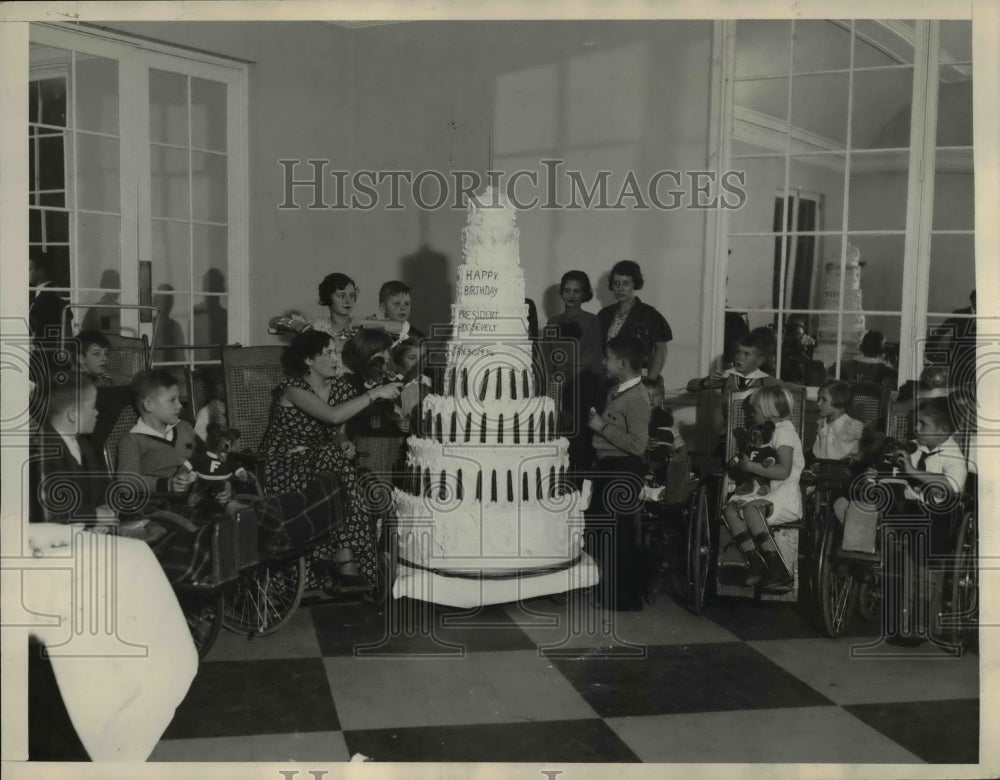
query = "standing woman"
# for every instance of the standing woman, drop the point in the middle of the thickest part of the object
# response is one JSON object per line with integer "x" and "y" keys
{"x": 583, "y": 389}
{"x": 304, "y": 440}
{"x": 339, "y": 294}
{"x": 632, "y": 318}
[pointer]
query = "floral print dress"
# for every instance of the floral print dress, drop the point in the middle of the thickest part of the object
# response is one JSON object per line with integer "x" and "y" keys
{"x": 290, "y": 469}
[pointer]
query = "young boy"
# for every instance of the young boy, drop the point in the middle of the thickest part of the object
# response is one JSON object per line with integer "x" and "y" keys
{"x": 394, "y": 304}
{"x": 839, "y": 435}
{"x": 621, "y": 436}
{"x": 94, "y": 347}
{"x": 160, "y": 443}
{"x": 62, "y": 459}
{"x": 935, "y": 475}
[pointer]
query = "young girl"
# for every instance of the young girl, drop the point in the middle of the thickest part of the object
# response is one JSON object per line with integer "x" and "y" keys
{"x": 405, "y": 360}
{"x": 839, "y": 434}
{"x": 748, "y": 517}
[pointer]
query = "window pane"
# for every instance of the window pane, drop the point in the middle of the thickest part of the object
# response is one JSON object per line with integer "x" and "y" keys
{"x": 168, "y": 108}
{"x": 880, "y": 43}
{"x": 956, "y": 40}
{"x": 170, "y": 196}
{"x": 48, "y": 227}
{"x": 820, "y": 178}
{"x": 821, "y": 45}
{"x": 952, "y": 273}
{"x": 881, "y": 114}
{"x": 210, "y": 324}
{"x": 765, "y": 181}
{"x": 55, "y": 258}
{"x": 881, "y": 277}
{"x": 98, "y": 254}
{"x": 954, "y": 121}
{"x": 49, "y": 74}
{"x": 951, "y": 342}
{"x": 50, "y": 173}
{"x": 762, "y": 47}
{"x": 96, "y": 94}
{"x": 209, "y": 187}
{"x": 751, "y": 270}
{"x": 171, "y": 255}
{"x": 97, "y": 170}
{"x": 768, "y": 97}
{"x": 878, "y": 191}
{"x": 819, "y": 108}
{"x": 954, "y": 191}
{"x": 208, "y": 115}
{"x": 210, "y": 257}
{"x": 172, "y": 325}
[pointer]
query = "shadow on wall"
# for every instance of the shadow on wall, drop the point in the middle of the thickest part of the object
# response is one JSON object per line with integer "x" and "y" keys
{"x": 552, "y": 304}
{"x": 426, "y": 273}
{"x": 602, "y": 294}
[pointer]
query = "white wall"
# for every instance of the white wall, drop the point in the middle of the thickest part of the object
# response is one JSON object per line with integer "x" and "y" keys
{"x": 423, "y": 96}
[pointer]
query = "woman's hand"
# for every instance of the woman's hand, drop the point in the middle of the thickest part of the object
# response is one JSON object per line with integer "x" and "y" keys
{"x": 388, "y": 392}
{"x": 347, "y": 447}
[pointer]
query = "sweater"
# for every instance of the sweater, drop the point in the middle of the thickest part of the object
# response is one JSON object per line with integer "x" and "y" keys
{"x": 155, "y": 459}
{"x": 626, "y": 424}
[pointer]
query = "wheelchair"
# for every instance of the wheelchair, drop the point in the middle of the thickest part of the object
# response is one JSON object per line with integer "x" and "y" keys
{"x": 793, "y": 540}
{"x": 857, "y": 568}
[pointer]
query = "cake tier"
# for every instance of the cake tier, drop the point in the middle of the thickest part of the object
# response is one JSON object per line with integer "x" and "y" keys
{"x": 473, "y": 472}
{"x": 470, "y": 420}
{"x": 476, "y": 536}
{"x": 489, "y": 247}
{"x": 493, "y": 372}
{"x": 489, "y": 285}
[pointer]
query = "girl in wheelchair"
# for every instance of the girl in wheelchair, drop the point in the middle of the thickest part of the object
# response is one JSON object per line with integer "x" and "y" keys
{"x": 748, "y": 516}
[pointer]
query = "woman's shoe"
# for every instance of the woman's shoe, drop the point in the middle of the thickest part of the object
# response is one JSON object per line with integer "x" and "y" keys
{"x": 335, "y": 570}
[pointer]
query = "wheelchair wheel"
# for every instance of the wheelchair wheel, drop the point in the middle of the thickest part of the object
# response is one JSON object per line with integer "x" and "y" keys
{"x": 963, "y": 610}
{"x": 699, "y": 552}
{"x": 836, "y": 584}
{"x": 204, "y": 618}
{"x": 265, "y": 597}
{"x": 870, "y": 598}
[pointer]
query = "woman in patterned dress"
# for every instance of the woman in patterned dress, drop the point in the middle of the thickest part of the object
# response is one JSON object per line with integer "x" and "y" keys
{"x": 633, "y": 318}
{"x": 304, "y": 440}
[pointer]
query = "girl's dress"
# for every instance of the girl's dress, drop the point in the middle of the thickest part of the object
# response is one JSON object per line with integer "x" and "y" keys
{"x": 785, "y": 496}
{"x": 290, "y": 471}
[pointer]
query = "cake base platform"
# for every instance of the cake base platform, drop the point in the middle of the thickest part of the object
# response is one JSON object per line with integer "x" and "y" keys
{"x": 465, "y": 592}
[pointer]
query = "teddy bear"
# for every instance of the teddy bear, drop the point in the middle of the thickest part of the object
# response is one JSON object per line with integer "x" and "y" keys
{"x": 214, "y": 468}
{"x": 755, "y": 443}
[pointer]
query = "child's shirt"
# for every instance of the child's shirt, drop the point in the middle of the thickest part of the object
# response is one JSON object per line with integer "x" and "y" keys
{"x": 378, "y": 420}
{"x": 156, "y": 457}
{"x": 839, "y": 439}
{"x": 626, "y": 422}
{"x": 946, "y": 459}
{"x": 785, "y": 495}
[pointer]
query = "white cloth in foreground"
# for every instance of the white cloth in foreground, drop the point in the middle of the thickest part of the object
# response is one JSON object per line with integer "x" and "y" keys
{"x": 122, "y": 653}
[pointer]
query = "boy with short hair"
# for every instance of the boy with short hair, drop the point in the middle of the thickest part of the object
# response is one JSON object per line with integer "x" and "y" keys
{"x": 160, "y": 443}
{"x": 62, "y": 458}
{"x": 394, "y": 304}
{"x": 621, "y": 436}
{"x": 94, "y": 348}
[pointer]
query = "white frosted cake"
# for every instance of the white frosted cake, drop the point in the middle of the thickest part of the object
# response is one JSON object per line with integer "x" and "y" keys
{"x": 486, "y": 494}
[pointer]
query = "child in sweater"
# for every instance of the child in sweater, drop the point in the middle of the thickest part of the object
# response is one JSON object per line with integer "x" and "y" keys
{"x": 621, "y": 437}
{"x": 160, "y": 443}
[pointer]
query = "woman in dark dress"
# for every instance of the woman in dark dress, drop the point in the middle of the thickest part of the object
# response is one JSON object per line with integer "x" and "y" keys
{"x": 633, "y": 318}
{"x": 304, "y": 440}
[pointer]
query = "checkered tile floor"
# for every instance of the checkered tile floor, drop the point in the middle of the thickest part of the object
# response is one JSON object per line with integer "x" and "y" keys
{"x": 546, "y": 682}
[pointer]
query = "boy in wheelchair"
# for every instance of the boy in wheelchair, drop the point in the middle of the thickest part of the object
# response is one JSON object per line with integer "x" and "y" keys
{"x": 925, "y": 482}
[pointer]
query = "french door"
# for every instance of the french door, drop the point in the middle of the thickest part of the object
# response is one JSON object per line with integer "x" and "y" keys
{"x": 137, "y": 187}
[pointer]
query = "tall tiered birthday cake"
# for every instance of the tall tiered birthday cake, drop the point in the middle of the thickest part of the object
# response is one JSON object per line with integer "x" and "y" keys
{"x": 852, "y": 327}
{"x": 487, "y": 514}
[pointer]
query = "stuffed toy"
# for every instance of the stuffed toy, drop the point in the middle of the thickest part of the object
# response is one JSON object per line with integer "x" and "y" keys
{"x": 755, "y": 443}
{"x": 214, "y": 468}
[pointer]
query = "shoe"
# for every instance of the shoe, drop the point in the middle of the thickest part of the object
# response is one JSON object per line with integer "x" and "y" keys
{"x": 758, "y": 569}
{"x": 335, "y": 571}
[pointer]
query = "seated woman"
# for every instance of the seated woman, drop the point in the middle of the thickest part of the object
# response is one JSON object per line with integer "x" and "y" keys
{"x": 304, "y": 439}
{"x": 870, "y": 365}
{"x": 339, "y": 294}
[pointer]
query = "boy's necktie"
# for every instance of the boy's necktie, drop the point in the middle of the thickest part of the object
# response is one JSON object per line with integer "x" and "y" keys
{"x": 922, "y": 460}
